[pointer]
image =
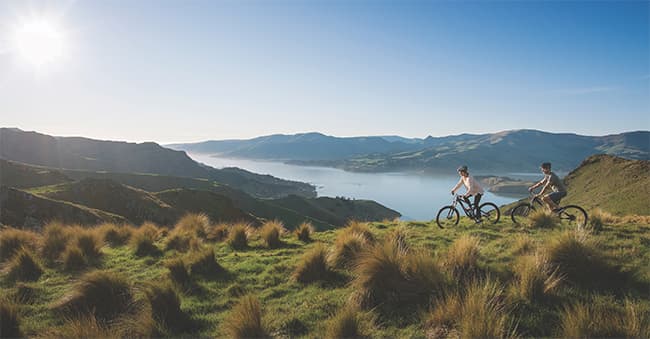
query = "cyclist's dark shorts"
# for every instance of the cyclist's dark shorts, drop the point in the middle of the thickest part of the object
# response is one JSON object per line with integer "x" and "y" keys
{"x": 556, "y": 196}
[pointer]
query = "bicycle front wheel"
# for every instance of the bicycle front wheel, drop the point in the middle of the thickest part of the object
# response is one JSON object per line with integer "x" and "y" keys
{"x": 520, "y": 213}
{"x": 573, "y": 216}
{"x": 447, "y": 217}
{"x": 490, "y": 212}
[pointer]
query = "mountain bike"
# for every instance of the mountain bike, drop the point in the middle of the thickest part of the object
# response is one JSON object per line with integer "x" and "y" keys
{"x": 570, "y": 215}
{"x": 449, "y": 216}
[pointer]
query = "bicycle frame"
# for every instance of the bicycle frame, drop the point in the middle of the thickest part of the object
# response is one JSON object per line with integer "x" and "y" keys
{"x": 468, "y": 209}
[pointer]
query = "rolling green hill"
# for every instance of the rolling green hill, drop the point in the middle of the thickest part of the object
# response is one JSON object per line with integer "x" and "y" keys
{"x": 216, "y": 206}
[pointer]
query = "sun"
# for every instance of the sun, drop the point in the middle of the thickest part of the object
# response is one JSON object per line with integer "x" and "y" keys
{"x": 38, "y": 41}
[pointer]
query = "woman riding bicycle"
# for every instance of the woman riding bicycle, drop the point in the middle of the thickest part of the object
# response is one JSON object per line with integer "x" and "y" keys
{"x": 550, "y": 179}
{"x": 473, "y": 188}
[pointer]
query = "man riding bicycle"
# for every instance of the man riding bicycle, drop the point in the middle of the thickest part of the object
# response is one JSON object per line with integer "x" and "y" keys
{"x": 550, "y": 179}
{"x": 473, "y": 188}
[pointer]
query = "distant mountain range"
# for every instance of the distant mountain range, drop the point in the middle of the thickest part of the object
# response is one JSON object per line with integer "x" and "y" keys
{"x": 507, "y": 151}
{"x": 112, "y": 156}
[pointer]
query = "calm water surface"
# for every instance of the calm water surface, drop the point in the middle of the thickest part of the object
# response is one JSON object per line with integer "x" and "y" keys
{"x": 415, "y": 196}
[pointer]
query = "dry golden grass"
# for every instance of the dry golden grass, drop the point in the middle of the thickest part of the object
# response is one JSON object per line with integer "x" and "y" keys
{"x": 217, "y": 233}
{"x": 360, "y": 228}
{"x": 271, "y": 232}
{"x": 115, "y": 235}
{"x": 74, "y": 259}
{"x": 166, "y": 306}
{"x": 462, "y": 257}
{"x": 535, "y": 278}
{"x": 194, "y": 223}
{"x": 178, "y": 271}
{"x": 143, "y": 240}
{"x": 304, "y": 232}
{"x": 523, "y": 244}
{"x": 12, "y": 240}
{"x": 86, "y": 326}
{"x": 9, "y": 320}
{"x": 23, "y": 266}
{"x": 542, "y": 218}
{"x": 600, "y": 321}
{"x": 203, "y": 262}
{"x": 89, "y": 242}
{"x": 399, "y": 235}
{"x": 313, "y": 266}
{"x": 245, "y": 320}
{"x": 347, "y": 248}
{"x": 55, "y": 240}
{"x": 348, "y": 322}
{"x": 238, "y": 236}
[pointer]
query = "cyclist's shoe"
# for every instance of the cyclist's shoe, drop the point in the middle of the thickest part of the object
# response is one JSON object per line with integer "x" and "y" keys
{"x": 479, "y": 221}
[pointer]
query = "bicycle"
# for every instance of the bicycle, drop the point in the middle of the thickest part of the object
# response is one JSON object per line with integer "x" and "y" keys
{"x": 570, "y": 215}
{"x": 449, "y": 216}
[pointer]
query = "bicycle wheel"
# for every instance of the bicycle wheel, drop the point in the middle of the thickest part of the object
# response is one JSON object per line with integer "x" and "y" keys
{"x": 448, "y": 216}
{"x": 573, "y": 216}
{"x": 521, "y": 212}
{"x": 490, "y": 212}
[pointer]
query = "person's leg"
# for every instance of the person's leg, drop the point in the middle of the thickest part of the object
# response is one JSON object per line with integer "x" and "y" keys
{"x": 548, "y": 199}
{"x": 477, "y": 202}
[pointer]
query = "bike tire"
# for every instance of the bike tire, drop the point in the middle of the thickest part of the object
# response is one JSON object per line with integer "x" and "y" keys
{"x": 521, "y": 212}
{"x": 448, "y": 216}
{"x": 490, "y": 212}
{"x": 573, "y": 216}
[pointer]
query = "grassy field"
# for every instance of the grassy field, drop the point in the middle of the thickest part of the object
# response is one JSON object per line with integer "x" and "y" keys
{"x": 384, "y": 279}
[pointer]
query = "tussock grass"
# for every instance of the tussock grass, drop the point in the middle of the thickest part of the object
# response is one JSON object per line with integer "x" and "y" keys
{"x": 523, "y": 244}
{"x": 9, "y": 320}
{"x": 304, "y": 232}
{"x": 245, "y": 320}
{"x": 105, "y": 294}
{"x": 151, "y": 230}
{"x": 360, "y": 228}
{"x": 217, "y": 233}
{"x": 535, "y": 278}
{"x": 478, "y": 312}
{"x": 86, "y": 326}
{"x": 143, "y": 241}
{"x": 204, "y": 263}
{"x": 166, "y": 306}
{"x": 347, "y": 248}
{"x": 313, "y": 266}
{"x": 238, "y": 237}
{"x": 73, "y": 259}
{"x": 348, "y": 322}
{"x": 462, "y": 257}
{"x": 55, "y": 240}
{"x": 197, "y": 224}
{"x": 89, "y": 243}
{"x": 398, "y": 235}
{"x": 23, "y": 266}
{"x": 542, "y": 218}
{"x": 598, "y": 219}
{"x": 12, "y": 240}
{"x": 182, "y": 241}
{"x": 115, "y": 235}
{"x": 271, "y": 232}
{"x": 605, "y": 321}
{"x": 178, "y": 272}
{"x": 25, "y": 294}
{"x": 389, "y": 275}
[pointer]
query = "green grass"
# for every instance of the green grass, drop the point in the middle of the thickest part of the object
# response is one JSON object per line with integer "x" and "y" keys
{"x": 291, "y": 308}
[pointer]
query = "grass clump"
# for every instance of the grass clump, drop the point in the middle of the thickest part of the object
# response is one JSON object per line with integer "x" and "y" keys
{"x": 362, "y": 229}
{"x": 89, "y": 243}
{"x": 182, "y": 241}
{"x": 217, "y": 233}
{"x": 389, "y": 275}
{"x": 348, "y": 322}
{"x": 245, "y": 320}
{"x": 204, "y": 263}
{"x": 166, "y": 307}
{"x": 304, "y": 232}
{"x": 605, "y": 321}
{"x": 462, "y": 257}
{"x": 535, "y": 278}
{"x": 271, "y": 232}
{"x": 238, "y": 237}
{"x": 55, "y": 240}
{"x": 143, "y": 241}
{"x": 115, "y": 235}
{"x": 398, "y": 235}
{"x": 12, "y": 240}
{"x": 197, "y": 224}
{"x": 178, "y": 272}
{"x": 73, "y": 259}
{"x": 347, "y": 248}
{"x": 9, "y": 320}
{"x": 522, "y": 244}
{"x": 542, "y": 218}
{"x": 23, "y": 266}
{"x": 313, "y": 266}
{"x": 82, "y": 327}
{"x": 105, "y": 294}
{"x": 598, "y": 219}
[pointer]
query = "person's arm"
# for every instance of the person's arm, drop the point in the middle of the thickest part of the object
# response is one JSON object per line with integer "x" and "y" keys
{"x": 541, "y": 182}
{"x": 453, "y": 190}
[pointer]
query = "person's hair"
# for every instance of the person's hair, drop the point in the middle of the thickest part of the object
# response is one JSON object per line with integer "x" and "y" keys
{"x": 462, "y": 169}
{"x": 546, "y": 165}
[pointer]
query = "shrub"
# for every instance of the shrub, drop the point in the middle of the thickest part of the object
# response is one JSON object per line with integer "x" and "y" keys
{"x": 55, "y": 240}
{"x": 204, "y": 263}
{"x": 105, "y": 294}
{"x": 217, "y": 233}
{"x": 116, "y": 235}
{"x": 542, "y": 218}
{"x": 245, "y": 320}
{"x": 313, "y": 266}
{"x": 166, "y": 306}
{"x": 194, "y": 223}
{"x": 362, "y": 229}
{"x": 238, "y": 237}
{"x": 462, "y": 257}
{"x": 535, "y": 277}
{"x": 604, "y": 321}
{"x": 9, "y": 320}
{"x": 73, "y": 259}
{"x": 23, "y": 266}
{"x": 304, "y": 231}
{"x": 347, "y": 323}
{"x": 143, "y": 242}
{"x": 271, "y": 232}
{"x": 12, "y": 240}
{"x": 178, "y": 272}
{"x": 347, "y": 248}
{"x": 388, "y": 275}
{"x": 89, "y": 243}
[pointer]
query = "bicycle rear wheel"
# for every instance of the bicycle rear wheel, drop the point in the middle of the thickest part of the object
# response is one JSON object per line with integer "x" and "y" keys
{"x": 573, "y": 216}
{"x": 447, "y": 217}
{"x": 520, "y": 213}
{"x": 490, "y": 212}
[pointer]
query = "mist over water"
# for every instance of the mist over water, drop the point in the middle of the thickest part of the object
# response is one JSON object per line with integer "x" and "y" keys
{"x": 415, "y": 196}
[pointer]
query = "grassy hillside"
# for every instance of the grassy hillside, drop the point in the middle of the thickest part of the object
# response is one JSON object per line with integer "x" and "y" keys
{"x": 218, "y": 207}
{"x": 18, "y": 175}
{"x": 405, "y": 280}
{"x": 616, "y": 185}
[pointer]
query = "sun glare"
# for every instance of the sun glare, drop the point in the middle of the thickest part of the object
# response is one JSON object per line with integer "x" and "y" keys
{"x": 38, "y": 42}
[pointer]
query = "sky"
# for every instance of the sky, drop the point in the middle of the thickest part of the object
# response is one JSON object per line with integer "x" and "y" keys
{"x": 184, "y": 71}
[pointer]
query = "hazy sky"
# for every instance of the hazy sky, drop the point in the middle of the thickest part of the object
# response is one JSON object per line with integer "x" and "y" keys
{"x": 172, "y": 71}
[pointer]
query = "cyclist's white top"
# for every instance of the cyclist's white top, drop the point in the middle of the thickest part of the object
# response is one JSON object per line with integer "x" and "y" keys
{"x": 470, "y": 183}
